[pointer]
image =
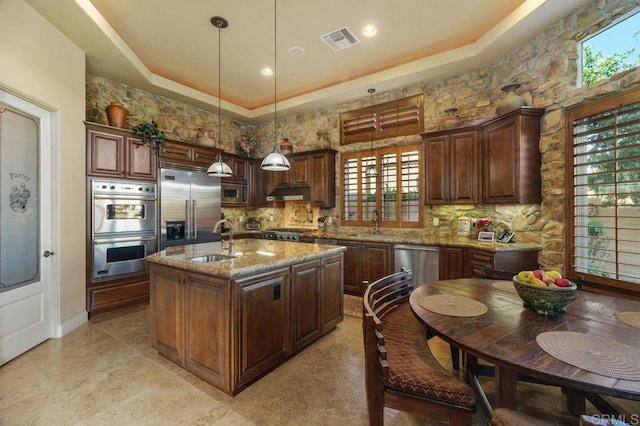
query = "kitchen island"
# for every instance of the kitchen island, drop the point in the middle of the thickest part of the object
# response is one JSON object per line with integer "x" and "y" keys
{"x": 230, "y": 321}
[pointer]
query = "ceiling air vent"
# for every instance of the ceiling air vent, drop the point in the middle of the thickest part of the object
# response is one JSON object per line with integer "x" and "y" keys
{"x": 340, "y": 39}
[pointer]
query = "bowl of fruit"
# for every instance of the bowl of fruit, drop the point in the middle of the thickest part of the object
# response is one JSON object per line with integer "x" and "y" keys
{"x": 546, "y": 292}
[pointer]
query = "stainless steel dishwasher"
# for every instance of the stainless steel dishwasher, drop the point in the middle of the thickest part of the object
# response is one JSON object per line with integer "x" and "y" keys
{"x": 424, "y": 262}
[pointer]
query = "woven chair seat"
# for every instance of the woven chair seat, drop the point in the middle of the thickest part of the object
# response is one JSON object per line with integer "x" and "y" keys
{"x": 412, "y": 367}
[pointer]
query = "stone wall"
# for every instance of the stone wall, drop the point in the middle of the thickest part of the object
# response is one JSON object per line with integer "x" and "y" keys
{"x": 546, "y": 67}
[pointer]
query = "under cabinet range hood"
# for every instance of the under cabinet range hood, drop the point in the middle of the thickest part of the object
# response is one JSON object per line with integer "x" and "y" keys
{"x": 299, "y": 193}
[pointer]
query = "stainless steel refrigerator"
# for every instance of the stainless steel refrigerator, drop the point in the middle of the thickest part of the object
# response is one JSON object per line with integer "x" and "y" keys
{"x": 189, "y": 207}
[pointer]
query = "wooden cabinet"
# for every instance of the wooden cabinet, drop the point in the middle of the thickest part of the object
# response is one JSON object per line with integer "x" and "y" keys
{"x": 365, "y": 260}
{"x": 452, "y": 167}
{"x": 262, "y": 183}
{"x": 312, "y": 169}
{"x": 263, "y": 323}
{"x": 316, "y": 170}
{"x": 332, "y": 291}
{"x": 188, "y": 154}
{"x": 300, "y": 171}
{"x": 482, "y": 262}
{"x": 184, "y": 308}
{"x": 511, "y": 157}
{"x": 239, "y": 166}
{"x": 115, "y": 152}
{"x": 453, "y": 263}
{"x": 166, "y": 312}
{"x": 323, "y": 178}
{"x": 316, "y": 299}
{"x": 495, "y": 162}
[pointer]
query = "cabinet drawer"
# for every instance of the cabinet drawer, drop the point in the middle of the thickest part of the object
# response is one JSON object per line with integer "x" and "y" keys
{"x": 109, "y": 297}
{"x": 482, "y": 257}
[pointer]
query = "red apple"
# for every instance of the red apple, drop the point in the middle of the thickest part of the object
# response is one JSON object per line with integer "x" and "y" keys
{"x": 562, "y": 282}
{"x": 539, "y": 273}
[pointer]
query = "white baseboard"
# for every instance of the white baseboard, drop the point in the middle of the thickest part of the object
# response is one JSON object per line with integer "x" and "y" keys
{"x": 72, "y": 324}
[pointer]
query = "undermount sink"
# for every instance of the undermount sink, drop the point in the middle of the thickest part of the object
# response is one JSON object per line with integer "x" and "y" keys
{"x": 212, "y": 257}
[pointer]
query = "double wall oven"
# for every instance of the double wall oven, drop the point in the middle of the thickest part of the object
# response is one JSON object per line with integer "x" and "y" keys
{"x": 123, "y": 227}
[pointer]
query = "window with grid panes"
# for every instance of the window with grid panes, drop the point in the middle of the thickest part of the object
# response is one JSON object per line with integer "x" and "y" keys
{"x": 603, "y": 227}
{"x": 396, "y": 193}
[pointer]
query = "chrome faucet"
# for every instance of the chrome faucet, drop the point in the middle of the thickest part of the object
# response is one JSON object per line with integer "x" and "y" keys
{"x": 376, "y": 222}
{"x": 219, "y": 224}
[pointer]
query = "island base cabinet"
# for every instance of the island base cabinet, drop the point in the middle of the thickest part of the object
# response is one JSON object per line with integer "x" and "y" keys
{"x": 207, "y": 308}
{"x": 263, "y": 323}
{"x": 166, "y": 312}
{"x": 332, "y": 291}
{"x": 316, "y": 299}
{"x": 306, "y": 303}
{"x": 190, "y": 322}
{"x": 230, "y": 332}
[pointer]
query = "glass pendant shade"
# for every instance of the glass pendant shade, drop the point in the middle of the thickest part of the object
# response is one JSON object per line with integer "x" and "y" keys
{"x": 275, "y": 162}
{"x": 371, "y": 171}
{"x": 219, "y": 169}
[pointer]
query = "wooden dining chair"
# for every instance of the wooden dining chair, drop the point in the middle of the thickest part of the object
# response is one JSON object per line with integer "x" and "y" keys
{"x": 400, "y": 370}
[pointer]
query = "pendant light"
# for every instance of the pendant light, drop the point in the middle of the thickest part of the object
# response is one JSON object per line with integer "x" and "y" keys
{"x": 219, "y": 168}
{"x": 275, "y": 161}
{"x": 371, "y": 170}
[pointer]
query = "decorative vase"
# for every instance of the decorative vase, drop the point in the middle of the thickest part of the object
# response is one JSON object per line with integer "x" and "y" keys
{"x": 206, "y": 136}
{"x": 511, "y": 99}
{"x": 116, "y": 114}
{"x": 286, "y": 147}
{"x": 451, "y": 120}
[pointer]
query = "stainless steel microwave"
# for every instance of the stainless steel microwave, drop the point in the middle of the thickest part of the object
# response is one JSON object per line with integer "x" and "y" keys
{"x": 235, "y": 194}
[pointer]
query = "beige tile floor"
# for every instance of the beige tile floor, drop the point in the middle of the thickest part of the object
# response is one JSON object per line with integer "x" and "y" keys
{"x": 105, "y": 373}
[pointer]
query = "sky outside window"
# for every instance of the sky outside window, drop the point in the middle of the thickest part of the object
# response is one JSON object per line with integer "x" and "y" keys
{"x": 620, "y": 38}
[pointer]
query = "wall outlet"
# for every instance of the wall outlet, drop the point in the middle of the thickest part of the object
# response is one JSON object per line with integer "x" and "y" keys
{"x": 436, "y": 221}
{"x": 474, "y": 222}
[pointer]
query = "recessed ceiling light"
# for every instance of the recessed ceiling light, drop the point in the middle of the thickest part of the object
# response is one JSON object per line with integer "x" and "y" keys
{"x": 296, "y": 51}
{"x": 369, "y": 31}
{"x": 267, "y": 71}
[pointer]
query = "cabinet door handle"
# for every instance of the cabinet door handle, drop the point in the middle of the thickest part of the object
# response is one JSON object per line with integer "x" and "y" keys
{"x": 276, "y": 292}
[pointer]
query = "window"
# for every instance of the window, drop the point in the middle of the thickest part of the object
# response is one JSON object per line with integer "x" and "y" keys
{"x": 603, "y": 227}
{"x": 396, "y": 193}
{"x": 612, "y": 50}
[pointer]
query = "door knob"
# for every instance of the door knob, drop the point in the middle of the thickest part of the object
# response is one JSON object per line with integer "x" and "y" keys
{"x": 48, "y": 253}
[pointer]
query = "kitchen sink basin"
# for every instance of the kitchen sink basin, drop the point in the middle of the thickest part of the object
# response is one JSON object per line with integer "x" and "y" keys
{"x": 212, "y": 257}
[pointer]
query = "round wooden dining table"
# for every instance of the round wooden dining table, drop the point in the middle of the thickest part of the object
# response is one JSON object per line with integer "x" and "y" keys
{"x": 506, "y": 336}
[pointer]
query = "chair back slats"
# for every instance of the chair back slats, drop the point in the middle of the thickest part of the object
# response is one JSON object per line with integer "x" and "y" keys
{"x": 386, "y": 293}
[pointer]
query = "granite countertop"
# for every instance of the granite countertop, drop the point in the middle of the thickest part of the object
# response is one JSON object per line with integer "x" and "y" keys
{"x": 417, "y": 238}
{"x": 252, "y": 255}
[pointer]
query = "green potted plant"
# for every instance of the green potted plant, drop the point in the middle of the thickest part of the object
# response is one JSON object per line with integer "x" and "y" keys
{"x": 151, "y": 135}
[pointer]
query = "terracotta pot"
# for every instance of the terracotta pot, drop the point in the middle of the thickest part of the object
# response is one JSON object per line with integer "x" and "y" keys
{"x": 511, "y": 100}
{"x": 286, "y": 147}
{"x": 116, "y": 114}
{"x": 451, "y": 120}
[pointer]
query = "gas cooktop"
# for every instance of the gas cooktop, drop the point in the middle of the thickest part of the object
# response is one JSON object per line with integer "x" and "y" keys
{"x": 285, "y": 234}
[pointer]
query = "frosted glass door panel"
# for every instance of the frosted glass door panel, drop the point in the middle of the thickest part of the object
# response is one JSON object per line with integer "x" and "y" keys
{"x": 19, "y": 206}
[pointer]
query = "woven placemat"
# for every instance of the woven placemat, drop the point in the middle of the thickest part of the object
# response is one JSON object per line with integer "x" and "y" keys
{"x": 505, "y": 286}
{"x": 592, "y": 353}
{"x": 454, "y": 306}
{"x": 629, "y": 318}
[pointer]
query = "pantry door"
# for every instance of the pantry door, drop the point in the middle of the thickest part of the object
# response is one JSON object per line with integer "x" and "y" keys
{"x": 26, "y": 226}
